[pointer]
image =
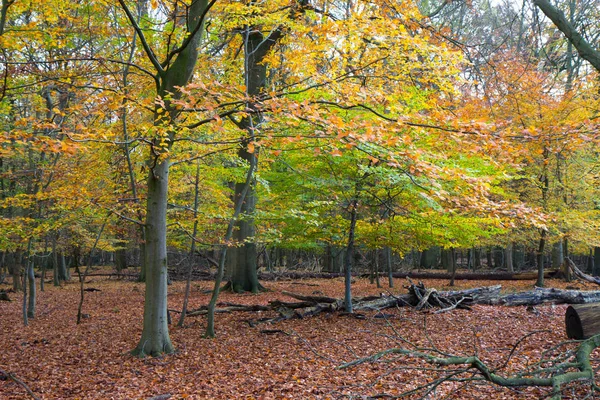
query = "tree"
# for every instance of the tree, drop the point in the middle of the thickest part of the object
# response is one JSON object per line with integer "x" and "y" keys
{"x": 170, "y": 75}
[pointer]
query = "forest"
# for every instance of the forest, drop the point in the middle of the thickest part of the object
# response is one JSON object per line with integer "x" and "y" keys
{"x": 294, "y": 199}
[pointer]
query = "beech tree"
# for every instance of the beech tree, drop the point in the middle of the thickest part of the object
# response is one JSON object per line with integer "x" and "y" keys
{"x": 169, "y": 75}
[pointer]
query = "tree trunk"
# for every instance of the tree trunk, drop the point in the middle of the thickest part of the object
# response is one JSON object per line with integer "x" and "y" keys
{"x": 32, "y": 290}
{"x": 477, "y": 261}
{"x": 350, "y": 258}
{"x": 376, "y": 261}
{"x": 178, "y": 72}
{"x": 188, "y": 281}
{"x": 508, "y": 258}
{"x": 447, "y": 258}
{"x": 155, "y": 338}
{"x": 388, "y": 263}
{"x": 452, "y": 266}
{"x": 14, "y": 267}
{"x": 120, "y": 260}
{"x": 55, "y": 273}
{"x": 489, "y": 258}
{"x": 241, "y": 260}
{"x": 596, "y": 269}
{"x": 429, "y": 258}
{"x": 540, "y": 260}
{"x": 63, "y": 267}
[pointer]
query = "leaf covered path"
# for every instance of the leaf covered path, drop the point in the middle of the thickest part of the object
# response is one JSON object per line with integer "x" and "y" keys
{"x": 61, "y": 360}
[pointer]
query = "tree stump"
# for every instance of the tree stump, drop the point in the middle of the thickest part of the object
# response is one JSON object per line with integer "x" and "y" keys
{"x": 582, "y": 321}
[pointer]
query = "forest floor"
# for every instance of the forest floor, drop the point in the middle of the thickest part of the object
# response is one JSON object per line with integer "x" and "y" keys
{"x": 59, "y": 359}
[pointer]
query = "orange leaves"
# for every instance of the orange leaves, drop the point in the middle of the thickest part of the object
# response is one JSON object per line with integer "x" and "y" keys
{"x": 58, "y": 358}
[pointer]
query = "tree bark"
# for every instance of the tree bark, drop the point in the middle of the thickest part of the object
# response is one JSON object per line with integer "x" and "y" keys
{"x": 155, "y": 338}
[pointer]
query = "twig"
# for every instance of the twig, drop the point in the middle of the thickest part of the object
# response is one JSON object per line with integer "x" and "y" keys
{"x": 20, "y": 383}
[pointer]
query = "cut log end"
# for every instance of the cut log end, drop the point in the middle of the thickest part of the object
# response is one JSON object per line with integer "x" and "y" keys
{"x": 573, "y": 324}
{"x": 582, "y": 321}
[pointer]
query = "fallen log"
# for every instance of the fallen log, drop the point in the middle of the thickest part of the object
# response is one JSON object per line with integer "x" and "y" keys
{"x": 484, "y": 276}
{"x": 580, "y": 274}
{"x": 582, "y": 321}
{"x": 545, "y": 295}
{"x": 4, "y": 296}
{"x": 310, "y": 305}
{"x": 228, "y": 307}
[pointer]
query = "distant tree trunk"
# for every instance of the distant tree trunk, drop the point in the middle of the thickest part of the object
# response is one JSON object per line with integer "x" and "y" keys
{"x": 328, "y": 259}
{"x": 470, "y": 259}
{"x": 45, "y": 264}
{"x": 540, "y": 260}
{"x": 557, "y": 255}
{"x": 508, "y": 257}
{"x": 14, "y": 270}
{"x": 376, "y": 257}
{"x": 518, "y": 257}
{"x": 388, "y": 263}
{"x": 350, "y": 257}
{"x": 489, "y": 256}
{"x": 452, "y": 266}
{"x": 55, "y": 274}
{"x": 14, "y": 267}
{"x": 498, "y": 257}
{"x": 568, "y": 275}
{"x": 188, "y": 282}
{"x": 429, "y": 258}
{"x": 120, "y": 260}
{"x": 31, "y": 281}
{"x": 241, "y": 260}
{"x": 477, "y": 260}
{"x": 596, "y": 269}
{"x": 448, "y": 259}
{"x": 75, "y": 260}
{"x": 589, "y": 265}
{"x": 64, "y": 268}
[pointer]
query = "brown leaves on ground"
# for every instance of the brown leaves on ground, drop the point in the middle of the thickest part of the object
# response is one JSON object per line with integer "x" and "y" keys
{"x": 61, "y": 360}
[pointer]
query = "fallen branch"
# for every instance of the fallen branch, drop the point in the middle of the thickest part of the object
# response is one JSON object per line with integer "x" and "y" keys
{"x": 19, "y": 382}
{"x": 554, "y": 373}
{"x": 580, "y": 274}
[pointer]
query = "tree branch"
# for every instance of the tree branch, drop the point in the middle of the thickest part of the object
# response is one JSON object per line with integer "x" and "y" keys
{"x": 584, "y": 48}
{"x": 145, "y": 44}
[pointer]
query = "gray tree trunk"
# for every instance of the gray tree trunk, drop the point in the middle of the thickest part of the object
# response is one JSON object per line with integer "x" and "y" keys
{"x": 596, "y": 269}
{"x": 389, "y": 266}
{"x": 242, "y": 260}
{"x": 32, "y": 290}
{"x": 350, "y": 258}
{"x": 557, "y": 255}
{"x": 430, "y": 257}
{"x": 508, "y": 258}
{"x": 155, "y": 338}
